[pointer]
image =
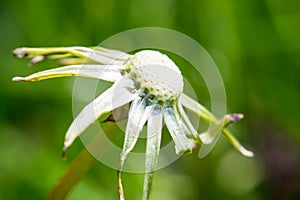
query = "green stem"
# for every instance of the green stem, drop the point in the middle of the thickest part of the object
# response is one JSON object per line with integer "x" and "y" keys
{"x": 80, "y": 166}
{"x": 72, "y": 176}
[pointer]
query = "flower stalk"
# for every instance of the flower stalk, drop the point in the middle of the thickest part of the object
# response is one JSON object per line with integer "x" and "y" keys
{"x": 153, "y": 84}
{"x": 77, "y": 169}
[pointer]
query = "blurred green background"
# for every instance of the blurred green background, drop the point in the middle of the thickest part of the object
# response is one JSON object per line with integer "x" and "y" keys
{"x": 255, "y": 44}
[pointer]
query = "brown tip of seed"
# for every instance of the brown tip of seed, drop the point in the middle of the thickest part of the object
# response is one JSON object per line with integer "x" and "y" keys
{"x": 36, "y": 59}
{"x": 17, "y": 78}
{"x": 234, "y": 117}
{"x": 20, "y": 53}
{"x": 64, "y": 152}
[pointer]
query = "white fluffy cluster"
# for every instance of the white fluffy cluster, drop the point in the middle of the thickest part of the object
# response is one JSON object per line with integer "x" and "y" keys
{"x": 156, "y": 73}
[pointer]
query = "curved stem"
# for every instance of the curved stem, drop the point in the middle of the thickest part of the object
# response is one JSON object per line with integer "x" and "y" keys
{"x": 77, "y": 169}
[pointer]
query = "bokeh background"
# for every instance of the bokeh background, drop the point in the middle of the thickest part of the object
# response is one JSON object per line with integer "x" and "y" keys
{"x": 255, "y": 44}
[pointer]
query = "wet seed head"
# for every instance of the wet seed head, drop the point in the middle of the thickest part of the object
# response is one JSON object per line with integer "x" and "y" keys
{"x": 156, "y": 74}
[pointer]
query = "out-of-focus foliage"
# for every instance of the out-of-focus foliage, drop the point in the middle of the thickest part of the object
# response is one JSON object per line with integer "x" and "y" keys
{"x": 256, "y": 46}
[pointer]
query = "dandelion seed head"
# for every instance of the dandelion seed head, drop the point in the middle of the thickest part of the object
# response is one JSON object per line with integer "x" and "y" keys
{"x": 156, "y": 74}
{"x": 153, "y": 85}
